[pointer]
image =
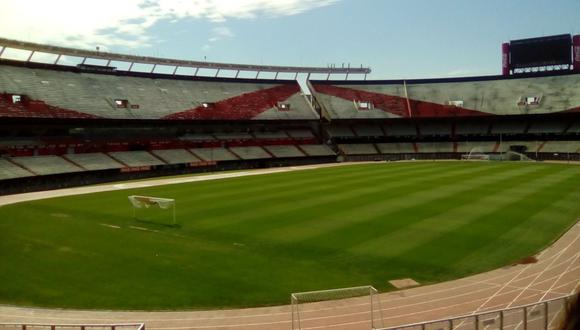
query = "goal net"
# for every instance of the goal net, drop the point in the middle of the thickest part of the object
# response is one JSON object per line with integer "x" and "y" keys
{"x": 153, "y": 209}
{"x": 328, "y": 308}
{"x": 475, "y": 154}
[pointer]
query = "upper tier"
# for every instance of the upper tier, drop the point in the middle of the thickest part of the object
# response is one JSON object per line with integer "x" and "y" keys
{"x": 69, "y": 93}
{"x": 474, "y": 96}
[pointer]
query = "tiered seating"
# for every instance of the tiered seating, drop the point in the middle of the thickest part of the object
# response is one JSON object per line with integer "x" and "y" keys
{"x": 402, "y": 129}
{"x": 396, "y": 148}
{"x": 508, "y": 127}
{"x": 435, "y": 129}
{"x": 10, "y": 171}
{"x": 233, "y": 136}
{"x": 285, "y": 151}
{"x": 44, "y": 165}
{"x": 531, "y": 146}
{"x": 357, "y": 149}
{"x": 35, "y": 109}
{"x": 197, "y": 137}
{"x": 272, "y": 135}
{"x": 250, "y": 152}
{"x": 368, "y": 130}
{"x": 561, "y": 147}
{"x": 93, "y": 161}
{"x": 340, "y": 131}
{"x": 67, "y": 94}
{"x": 575, "y": 128}
{"x": 435, "y": 147}
{"x": 473, "y": 128}
{"x": 214, "y": 154}
{"x": 300, "y": 133}
{"x": 317, "y": 150}
{"x": 479, "y": 146}
{"x": 545, "y": 127}
{"x": 136, "y": 158}
{"x": 451, "y": 97}
{"x": 175, "y": 156}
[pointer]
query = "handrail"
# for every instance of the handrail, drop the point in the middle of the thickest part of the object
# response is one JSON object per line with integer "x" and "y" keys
{"x": 417, "y": 324}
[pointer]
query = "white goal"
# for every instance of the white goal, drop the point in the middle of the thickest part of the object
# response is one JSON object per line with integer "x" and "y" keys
{"x": 335, "y": 307}
{"x": 153, "y": 209}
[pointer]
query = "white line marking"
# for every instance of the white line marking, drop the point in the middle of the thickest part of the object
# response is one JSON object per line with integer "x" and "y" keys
{"x": 110, "y": 226}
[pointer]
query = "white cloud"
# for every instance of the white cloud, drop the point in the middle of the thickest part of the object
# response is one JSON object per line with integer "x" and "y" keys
{"x": 110, "y": 23}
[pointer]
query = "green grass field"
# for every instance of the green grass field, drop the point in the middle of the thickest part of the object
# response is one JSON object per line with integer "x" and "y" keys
{"x": 251, "y": 241}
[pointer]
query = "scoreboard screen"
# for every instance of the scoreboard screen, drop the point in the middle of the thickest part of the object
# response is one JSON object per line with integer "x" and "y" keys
{"x": 544, "y": 51}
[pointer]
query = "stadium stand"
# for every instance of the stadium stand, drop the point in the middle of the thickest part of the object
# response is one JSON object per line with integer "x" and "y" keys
{"x": 561, "y": 147}
{"x": 357, "y": 149}
{"x": 197, "y": 137}
{"x": 93, "y": 161}
{"x": 369, "y": 130}
{"x": 136, "y": 158}
{"x": 340, "y": 131}
{"x": 527, "y": 146}
{"x": 477, "y": 146}
{"x": 448, "y": 97}
{"x": 285, "y": 151}
{"x": 51, "y": 93}
{"x": 508, "y": 127}
{"x": 574, "y": 128}
{"x": 400, "y": 129}
{"x": 547, "y": 127}
{"x": 317, "y": 150}
{"x": 213, "y": 154}
{"x": 45, "y": 165}
{"x": 250, "y": 152}
{"x": 9, "y": 170}
{"x": 233, "y": 136}
{"x": 396, "y": 148}
{"x": 472, "y": 128}
{"x": 435, "y": 147}
{"x": 175, "y": 156}
{"x": 270, "y": 135}
{"x": 435, "y": 129}
{"x": 300, "y": 133}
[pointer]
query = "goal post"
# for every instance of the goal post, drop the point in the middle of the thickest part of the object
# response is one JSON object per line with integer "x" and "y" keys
{"x": 164, "y": 205}
{"x": 363, "y": 304}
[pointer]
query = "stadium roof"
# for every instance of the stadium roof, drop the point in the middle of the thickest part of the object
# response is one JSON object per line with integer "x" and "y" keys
{"x": 155, "y": 61}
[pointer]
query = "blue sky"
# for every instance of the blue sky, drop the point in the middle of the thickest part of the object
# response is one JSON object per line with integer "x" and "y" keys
{"x": 397, "y": 39}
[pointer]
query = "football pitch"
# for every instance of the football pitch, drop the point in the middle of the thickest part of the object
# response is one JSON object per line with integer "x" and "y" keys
{"x": 251, "y": 241}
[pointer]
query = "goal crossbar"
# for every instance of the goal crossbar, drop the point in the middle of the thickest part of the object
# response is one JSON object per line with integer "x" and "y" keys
{"x": 301, "y": 300}
{"x": 139, "y": 202}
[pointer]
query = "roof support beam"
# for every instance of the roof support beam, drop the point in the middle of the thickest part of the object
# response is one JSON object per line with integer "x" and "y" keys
{"x": 149, "y": 60}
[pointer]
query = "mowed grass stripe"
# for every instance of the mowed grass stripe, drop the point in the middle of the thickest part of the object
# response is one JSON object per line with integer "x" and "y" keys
{"x": 483, "y": 200}
{"x": 211, "y": 196}
{"x": 289, "y": 232}
{"x": 422, "y": 198}
{"x": 293, "y": 207}
{"x": 481, "y": 239}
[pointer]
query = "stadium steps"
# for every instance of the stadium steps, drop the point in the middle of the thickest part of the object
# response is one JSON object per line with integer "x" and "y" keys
{"x": 11, "y": 170}
{"x": 285, "y": 151}
{"x": 136, "y": 158}
{"x": 176, "y": 156}
{"x": 214, "y": 154}
{"x": 45, "y": 165}
{"x": 316, "y": 150}
{"x": 93, "y": 161}
{"x": 250, "y": 153}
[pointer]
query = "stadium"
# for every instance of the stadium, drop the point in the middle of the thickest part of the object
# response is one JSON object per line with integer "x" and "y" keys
{"x": 171, "y": 200}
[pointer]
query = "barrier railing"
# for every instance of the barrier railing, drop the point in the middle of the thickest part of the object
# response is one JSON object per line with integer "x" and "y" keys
{"x": 544, "y": 315}
{"x": 54, "y": 326}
